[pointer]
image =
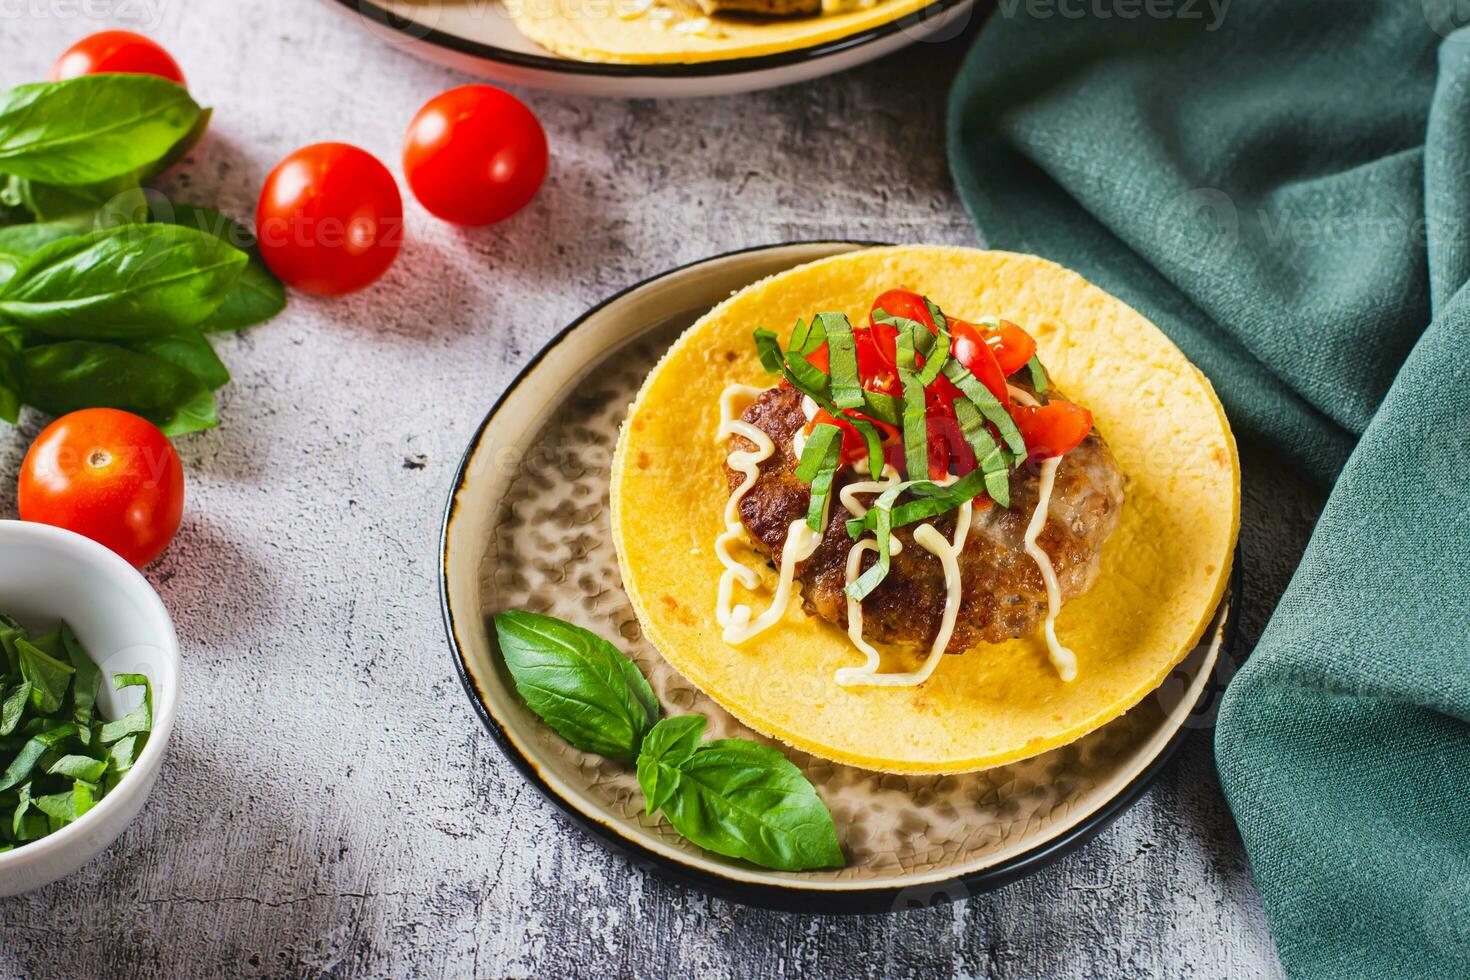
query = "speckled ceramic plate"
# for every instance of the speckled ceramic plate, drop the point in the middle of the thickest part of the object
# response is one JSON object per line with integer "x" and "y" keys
{"x": 478, "y": 37}
{"x": 527, "y": 527}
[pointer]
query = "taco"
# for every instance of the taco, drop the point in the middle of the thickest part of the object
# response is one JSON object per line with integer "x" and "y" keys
{"x": 968, "y": 509}
{"x": 683, "y": 31}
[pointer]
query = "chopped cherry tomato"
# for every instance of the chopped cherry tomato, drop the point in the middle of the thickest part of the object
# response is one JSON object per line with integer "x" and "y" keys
{"x": 874, "y": 372}
{"x": 115, "y": 51}
{"x": 1013, "y": 347}
{"x": 1053, "y": 429}
{"x": 475, "y": 155}
{"x": 109, "y": 476}
{"x": 971, "y": 350}
{"x": 854, "y": 446}
{"x": 330, "y": 219}
{"x": 905, "y": 303}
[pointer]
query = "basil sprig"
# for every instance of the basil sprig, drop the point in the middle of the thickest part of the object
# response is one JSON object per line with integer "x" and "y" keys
{"x": 105, "y": 296}
{"x": 732, "y": 796}
{"x": 57, "y": 759}
{"x": 736, "y": 797}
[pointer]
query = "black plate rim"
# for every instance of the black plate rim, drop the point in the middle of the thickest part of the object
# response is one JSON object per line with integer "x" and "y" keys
{"x": 697, "y": 69}
{"x": 848, "y": 901}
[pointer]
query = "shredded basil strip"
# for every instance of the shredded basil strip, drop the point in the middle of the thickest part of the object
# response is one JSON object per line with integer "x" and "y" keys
{"x": 931, "y": 500}
{"x": 823, "y": 436}
{"x": 936, "y": 353}
{"x": 828, "y": 442}
{"x": 1038, "y": 374}
{"x": 769, "y": 349}
{"x": 807, "y": 337}
{"x": 882, "y": 513}
{"x": 815, "y": 383}
{"x": 874, "y": 442}
{"x": 991, "y": 458}
{"x": 847, "y": 388}
{"x": 995, "y": 413}
{"x": 915, "y": 423}
{"x": 941, "y": 322}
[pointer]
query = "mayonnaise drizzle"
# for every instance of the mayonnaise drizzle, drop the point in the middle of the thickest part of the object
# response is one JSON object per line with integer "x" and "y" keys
{"x": 801, "y": 541}
{"x": 948, "y": 553}
{"x": 1063, "y": 659}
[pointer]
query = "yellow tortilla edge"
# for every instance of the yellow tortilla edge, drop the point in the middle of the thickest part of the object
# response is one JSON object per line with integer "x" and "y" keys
{"x": 556, "y": 30}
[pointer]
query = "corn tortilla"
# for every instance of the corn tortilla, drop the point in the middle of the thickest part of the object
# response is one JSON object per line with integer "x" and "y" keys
{"x": 1164, "y": 571}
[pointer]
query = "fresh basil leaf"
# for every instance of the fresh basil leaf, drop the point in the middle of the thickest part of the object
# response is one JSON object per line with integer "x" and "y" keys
{"x": 139, "y": 721}
{"x": 86, "y": 682}
{"x": 78, "y": 767}
{"x": 740, "y": 799}
{"x": 258, "y": 295}
{"x": 670, "y": 744}
{"x": 61, "y": 378}
{"x": 14, "y": 706}
{"x": 18, "y": 242}
{"x": 88, "y": 129}
{"x": 190, "y": 350}
{"x": 25, "y": 761}
{"x": 180, "y": 149}
{"x": 86, "y": 207}
{"x": 123, "y": 283}
{"x": 49, "y": 677}
{"x": 578, "y": 683}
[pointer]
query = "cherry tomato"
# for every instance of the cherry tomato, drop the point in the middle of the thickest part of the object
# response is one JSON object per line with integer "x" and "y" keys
{"x": 854, "y": 446}
{"x": 330, "y": 219}
{"x": 115, "y": 51}
{"x": 875, "y": 373}
{"x": 109, "y": 476}
{"x": 971, "y": 350}
{"x": 474, "y": 155}
{"x": 1053, "y": 429}
{"x": 1013, "y": 347}
{"x": 905, "y": 303}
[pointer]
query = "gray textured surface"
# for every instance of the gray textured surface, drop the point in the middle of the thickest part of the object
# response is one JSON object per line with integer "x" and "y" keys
{"x": 330, "y": 805}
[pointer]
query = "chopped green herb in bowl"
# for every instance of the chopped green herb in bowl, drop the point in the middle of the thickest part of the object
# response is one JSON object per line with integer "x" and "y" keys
{"x": 57, "y": 757}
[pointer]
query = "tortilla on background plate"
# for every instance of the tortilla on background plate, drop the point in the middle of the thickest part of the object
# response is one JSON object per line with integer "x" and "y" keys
{"x": 683, "y": 31}
{"x": 1163, "y": 571}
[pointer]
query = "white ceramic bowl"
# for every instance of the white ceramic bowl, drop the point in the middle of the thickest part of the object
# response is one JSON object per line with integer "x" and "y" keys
{"x": 48, "y": 575}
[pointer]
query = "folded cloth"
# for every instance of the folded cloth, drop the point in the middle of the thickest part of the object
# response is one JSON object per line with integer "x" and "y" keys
{"x": 1284, "y": 188}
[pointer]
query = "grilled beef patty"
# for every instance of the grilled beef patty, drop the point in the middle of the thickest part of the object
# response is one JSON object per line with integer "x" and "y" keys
{"x": 1002, "y": 595}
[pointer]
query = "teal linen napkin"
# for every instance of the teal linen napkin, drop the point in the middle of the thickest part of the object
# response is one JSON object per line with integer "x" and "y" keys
{"x": 1284, "y": 188}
